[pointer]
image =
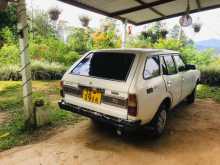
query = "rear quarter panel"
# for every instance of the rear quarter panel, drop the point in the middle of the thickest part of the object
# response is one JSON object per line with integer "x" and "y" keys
{"x": 148, "y": 103}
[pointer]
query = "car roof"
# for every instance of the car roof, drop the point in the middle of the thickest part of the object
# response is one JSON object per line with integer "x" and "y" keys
{"x": 138, "y": 51}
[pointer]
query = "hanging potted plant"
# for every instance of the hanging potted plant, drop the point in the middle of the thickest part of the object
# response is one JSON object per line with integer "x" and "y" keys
{"x": 3, "y": 4}
{"x": 54, "y": 13}
{"x": 197, "y": 27}
{"x": 164, "y": 33}
{"x": 84, "y": 19}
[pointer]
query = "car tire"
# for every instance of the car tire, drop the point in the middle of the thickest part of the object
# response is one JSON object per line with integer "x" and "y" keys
{"x": 160, "y": 121}
{"x": 192, "y": 97}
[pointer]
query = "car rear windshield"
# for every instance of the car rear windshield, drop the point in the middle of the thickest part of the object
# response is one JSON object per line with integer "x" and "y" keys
{"x": 106, "y": 65}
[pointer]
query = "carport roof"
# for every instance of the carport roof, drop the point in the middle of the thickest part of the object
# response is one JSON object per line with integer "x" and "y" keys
{"x": 139, "y": 12}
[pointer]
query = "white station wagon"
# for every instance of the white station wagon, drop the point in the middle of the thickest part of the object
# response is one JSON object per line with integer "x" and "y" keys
{"x": 128, "y": 88}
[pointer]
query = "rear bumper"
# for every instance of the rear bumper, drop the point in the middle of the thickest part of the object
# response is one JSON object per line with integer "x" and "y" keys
{"x": 116, "y": 122}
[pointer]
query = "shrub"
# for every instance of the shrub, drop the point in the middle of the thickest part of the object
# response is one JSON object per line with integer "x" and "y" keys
{"x": 39, "y": 70}
{"x": 9, "y": 54}
{"x": 47, "y": 71}
{"x": 10, "y": 72}
{"x": 210, "y": 75}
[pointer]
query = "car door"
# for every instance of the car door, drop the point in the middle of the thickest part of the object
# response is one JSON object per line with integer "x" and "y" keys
{"x": 186, "y": 75}
{"x": 171, "y": 77}
{"x": 150, "y": 88}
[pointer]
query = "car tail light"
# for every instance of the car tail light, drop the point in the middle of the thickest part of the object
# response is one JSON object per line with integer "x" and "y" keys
{"x": 118, "y": 102}
{"x": 61, "y": 90}
{"x": 132, "y": 105}
{"x": 61, "y": 84}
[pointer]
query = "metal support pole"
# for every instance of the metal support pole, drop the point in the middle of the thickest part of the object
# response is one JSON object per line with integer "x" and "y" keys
{"x": 124, "y": 34}
{"x": 25, "y": 63}
{"x": 180, "y": 33}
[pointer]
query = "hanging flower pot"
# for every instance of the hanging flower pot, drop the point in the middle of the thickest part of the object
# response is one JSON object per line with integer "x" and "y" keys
{"x": 3, "y": 4}
{"x": 164, "y": 33}
{"x": 84, "y": 20}
{"x": 54, "y": 14}
{"x": 196, "y": 28}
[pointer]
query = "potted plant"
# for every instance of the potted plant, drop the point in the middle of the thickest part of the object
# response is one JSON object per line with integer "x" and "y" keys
{"x": 3, "y": 4}
{"x": 197, "y": 27}
{"x": 54, "y": 13}
{"x": 164, "y": 33}
{"x": 84, "y": 19}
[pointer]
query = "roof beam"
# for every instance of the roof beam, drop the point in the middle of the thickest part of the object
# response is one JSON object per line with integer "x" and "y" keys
{"x": 151, "y": 8}
{"x": 144, "y": 6}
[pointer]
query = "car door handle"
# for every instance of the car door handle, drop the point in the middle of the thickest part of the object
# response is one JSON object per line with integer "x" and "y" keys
{"x": 169, "y": 83}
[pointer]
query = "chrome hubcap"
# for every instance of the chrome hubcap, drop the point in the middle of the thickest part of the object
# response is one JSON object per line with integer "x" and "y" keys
{"x": 161, "y": 121}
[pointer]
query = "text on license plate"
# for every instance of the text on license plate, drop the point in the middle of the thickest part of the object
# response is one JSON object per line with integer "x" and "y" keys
{"x": 93, "y": 96}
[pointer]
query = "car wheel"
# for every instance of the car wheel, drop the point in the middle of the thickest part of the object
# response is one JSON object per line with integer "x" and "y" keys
{"x": 160, "y": 121}
{"x": 192, "y": 97}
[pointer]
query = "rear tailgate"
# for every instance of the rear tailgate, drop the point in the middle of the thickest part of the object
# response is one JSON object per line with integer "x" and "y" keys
{"x": 114, "y": 93}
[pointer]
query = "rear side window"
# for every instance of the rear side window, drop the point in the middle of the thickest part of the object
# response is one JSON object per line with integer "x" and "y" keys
{"x": 152, "y": 67}
{"x": 170, "y": 65}
{"x": 106, "y": 65}
{"x": 179, "y": 61}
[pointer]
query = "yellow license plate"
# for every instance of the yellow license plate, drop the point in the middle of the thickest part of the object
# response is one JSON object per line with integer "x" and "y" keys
{"x": 93, "y": 96}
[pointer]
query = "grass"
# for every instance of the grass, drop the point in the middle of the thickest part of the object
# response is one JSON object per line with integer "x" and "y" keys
{"x": 13, "y": 132}
{"x": 205, "y": 91}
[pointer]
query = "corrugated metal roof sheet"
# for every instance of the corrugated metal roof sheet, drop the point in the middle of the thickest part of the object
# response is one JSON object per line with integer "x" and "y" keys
{"x": 143, "y": 11}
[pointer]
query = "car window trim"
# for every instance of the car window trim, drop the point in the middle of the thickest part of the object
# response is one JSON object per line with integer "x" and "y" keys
{"x": 145, "y": 67}
{"x": 181, "y": 59}
{"x": 171, "y": 54}
{"x": 127, "y": 76}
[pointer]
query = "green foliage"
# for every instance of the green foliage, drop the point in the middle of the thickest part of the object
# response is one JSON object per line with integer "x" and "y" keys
{"x": 8, "y": 18}
{"x": 9, "y": 54}
{"x": 134, "y": 42}
{"x": 40, "y": 71}
{"x": 170, "y": 43}
{"x": 47, "y": 71}
{"x": 40, "y": 25}
{"x": 79, "y": 40}
{"x": 199, "y": 58}
{"x": 7, "y": 36}
{"x": 210, "y": 74}
{"x": 205, "y": 91}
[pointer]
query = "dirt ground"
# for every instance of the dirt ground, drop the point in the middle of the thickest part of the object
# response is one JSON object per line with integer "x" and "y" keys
{"x": 3, "y": 117}
{"x": 192, "y": 138}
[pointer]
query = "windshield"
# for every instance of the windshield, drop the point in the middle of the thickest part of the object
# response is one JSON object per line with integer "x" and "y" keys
{"x": 107, "y": 65}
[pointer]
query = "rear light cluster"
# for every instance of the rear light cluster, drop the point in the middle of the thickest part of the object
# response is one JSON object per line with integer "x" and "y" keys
{"x": 65, "y": 89}
{"x": 132, "y": 105}
{"x": 119, "y": 102}
{"x": 61, "y": 90}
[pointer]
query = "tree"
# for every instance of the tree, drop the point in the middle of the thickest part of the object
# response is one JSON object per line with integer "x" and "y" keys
{"x": 40, "y": 24}
{"x": 8, "y": 20}
{"x": 79, "y": 40}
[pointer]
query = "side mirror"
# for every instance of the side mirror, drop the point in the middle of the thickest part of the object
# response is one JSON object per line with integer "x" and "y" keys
{"x": 182, "y": 68}
{"x": 190, "y": 67}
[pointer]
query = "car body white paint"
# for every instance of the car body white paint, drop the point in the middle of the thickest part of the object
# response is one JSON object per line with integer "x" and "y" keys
{"x": 175, "y": 87}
